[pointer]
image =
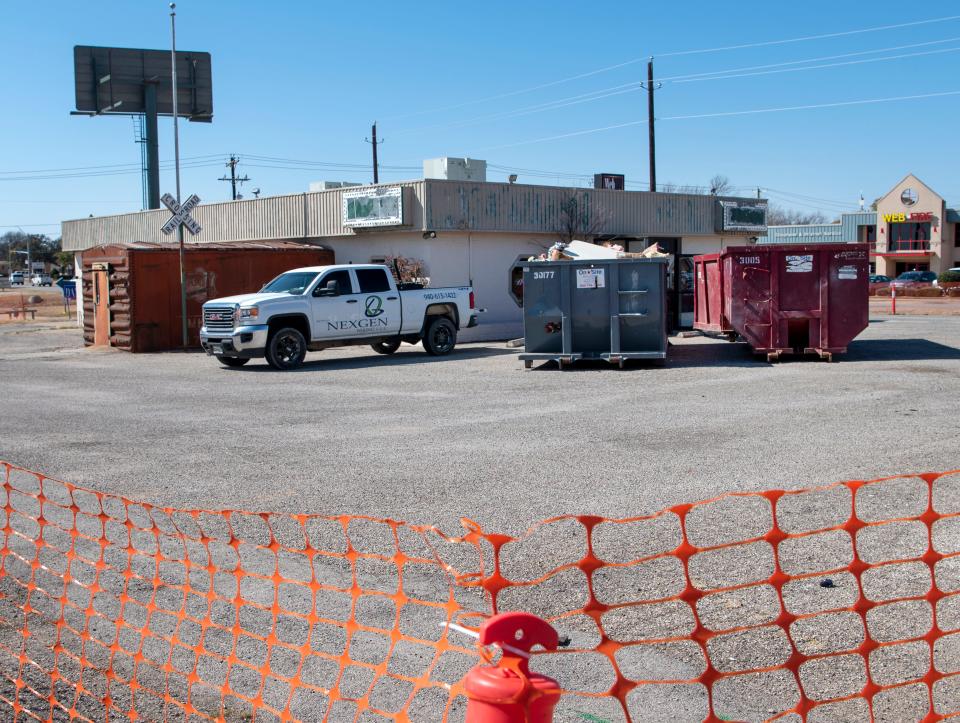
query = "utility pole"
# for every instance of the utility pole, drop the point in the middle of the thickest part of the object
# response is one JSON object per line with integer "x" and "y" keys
{"x": 232, "y": 165}
{"x": 176, "y": 159}
{"x": 758, "y": 193}
{"x": 651, "y": 87}
{"x": 374, "y": 143}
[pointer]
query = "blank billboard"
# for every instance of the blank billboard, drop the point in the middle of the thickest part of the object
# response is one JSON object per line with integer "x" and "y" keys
{"x": 112, "y": 80}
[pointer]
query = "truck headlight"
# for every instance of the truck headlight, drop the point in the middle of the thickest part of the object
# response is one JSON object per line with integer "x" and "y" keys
{"x": 250, "y": 315}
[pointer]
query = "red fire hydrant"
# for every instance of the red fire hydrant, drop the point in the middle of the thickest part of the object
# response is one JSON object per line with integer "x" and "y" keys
{"x": 508, "y": 692}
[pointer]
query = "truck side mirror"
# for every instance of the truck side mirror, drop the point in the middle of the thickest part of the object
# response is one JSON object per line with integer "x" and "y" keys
{"x": 331, "y": 289}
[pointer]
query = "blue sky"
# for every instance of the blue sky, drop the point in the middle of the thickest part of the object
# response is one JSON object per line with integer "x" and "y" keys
{"x": 303, "y": 81}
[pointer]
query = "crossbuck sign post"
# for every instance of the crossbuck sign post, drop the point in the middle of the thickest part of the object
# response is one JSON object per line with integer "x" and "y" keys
{"x": 181, "y": 217}
{"x": 181, "y": 214}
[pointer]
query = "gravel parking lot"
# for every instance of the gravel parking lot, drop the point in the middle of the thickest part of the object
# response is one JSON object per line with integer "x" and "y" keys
{"x": 475, "y": 435}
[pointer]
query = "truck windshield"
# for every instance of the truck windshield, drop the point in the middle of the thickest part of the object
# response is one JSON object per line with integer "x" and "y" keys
{"x": 295, "y": 282}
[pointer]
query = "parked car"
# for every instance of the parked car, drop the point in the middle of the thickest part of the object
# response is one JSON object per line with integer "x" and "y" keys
{"x": 41, "y": 280}
{"x": 878, "y": 281}
{"x": 914, "y": 279}
{"x": 16, "y": 278}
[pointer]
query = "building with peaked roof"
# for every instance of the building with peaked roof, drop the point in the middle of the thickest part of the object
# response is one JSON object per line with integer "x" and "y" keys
{"x": 911, "y": 230}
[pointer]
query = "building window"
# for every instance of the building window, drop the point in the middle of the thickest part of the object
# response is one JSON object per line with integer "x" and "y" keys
{"x": 910, "y": 231}
{"x": 909, "y": 236}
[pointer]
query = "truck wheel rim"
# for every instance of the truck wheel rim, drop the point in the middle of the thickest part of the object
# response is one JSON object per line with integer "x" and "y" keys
{"x": 288, "y": 348}
{"x": 441, "y": 339}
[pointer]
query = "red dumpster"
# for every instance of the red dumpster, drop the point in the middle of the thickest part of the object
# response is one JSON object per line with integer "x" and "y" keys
{"x": 787, "y": 299}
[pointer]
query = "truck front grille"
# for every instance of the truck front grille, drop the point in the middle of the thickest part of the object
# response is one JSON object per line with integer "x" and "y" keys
{"x": 218, "y": 318}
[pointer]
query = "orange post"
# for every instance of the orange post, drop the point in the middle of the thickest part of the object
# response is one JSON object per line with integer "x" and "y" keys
{"x": 508, "y": 692}
{"x": 893, "y": 300}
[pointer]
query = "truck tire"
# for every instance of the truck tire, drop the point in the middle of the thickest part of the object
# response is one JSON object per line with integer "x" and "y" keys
{"x": 286, "y": 349}
{"x": 232, "y": 361}
{"x": 386, "y": 347}
{"x": 441, "y": 337}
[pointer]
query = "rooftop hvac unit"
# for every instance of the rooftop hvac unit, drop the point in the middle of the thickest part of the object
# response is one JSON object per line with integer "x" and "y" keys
{"x": 328, "y": 185}
{"x": 455, "y": 169}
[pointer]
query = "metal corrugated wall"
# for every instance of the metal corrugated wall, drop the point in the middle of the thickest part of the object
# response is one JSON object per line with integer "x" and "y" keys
{"x": 324, "y": 210}
{"x": 276, "y": 217}
{"x": 302, "y": 215}
{"x": 429, "y": 205}
{"x": 815, "y": 233}
{"x": 850, "y": 222}
{"x": 536, "y": 209}
{"x": 843, "y": 232}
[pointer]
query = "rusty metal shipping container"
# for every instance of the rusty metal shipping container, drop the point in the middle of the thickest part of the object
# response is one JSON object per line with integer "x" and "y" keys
{"x": 131, "y": 292}
{"x": 788, "y": 299}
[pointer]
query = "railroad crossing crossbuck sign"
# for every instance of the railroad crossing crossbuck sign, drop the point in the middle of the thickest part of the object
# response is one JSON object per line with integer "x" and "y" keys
{"x": 181, "y": 214}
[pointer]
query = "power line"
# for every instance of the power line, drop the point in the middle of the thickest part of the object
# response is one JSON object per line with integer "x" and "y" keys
{"x": 633, "y": 61}
{"x": 815, "y": 105}
{"x": 818, "y": 205}
{"x": 816, "y": 60}
{"x": 822, "y": 36}
{"x": 125, "y": 167}
{"x": 29, "y": 225}
{"x": 809, "y": 198}
{"x": 687, "y": 78}
{"x": 326, "y": 164}
{"x": 826, "y": 65}
{"x": 98, "y": 174}
{"x": 128, "y": 169}
{"x": 342, "y": 171}
{"x": 721, "y": 115}
{"x": 112, "y": 165}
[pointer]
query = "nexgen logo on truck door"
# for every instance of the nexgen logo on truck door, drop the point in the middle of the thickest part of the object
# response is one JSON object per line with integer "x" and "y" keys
{"x": 373, "y": 311}
{"x": 374, "y": 306}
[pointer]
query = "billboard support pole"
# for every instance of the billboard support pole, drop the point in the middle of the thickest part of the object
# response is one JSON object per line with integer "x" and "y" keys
{"x": 153, "y": 146}
{"x": 176, "y": 163}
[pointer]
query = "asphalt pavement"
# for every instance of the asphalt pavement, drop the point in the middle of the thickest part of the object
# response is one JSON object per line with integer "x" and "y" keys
{"x": 430, "y": 440}
{"x": 475, "y": 435}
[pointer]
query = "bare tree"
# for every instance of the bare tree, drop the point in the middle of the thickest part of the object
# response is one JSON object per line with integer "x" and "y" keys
{"x": 779, "y": 216}
{"x": 720, "y": 185}
{"x": 577, "y": 220}
{"x": 670, "y": 187}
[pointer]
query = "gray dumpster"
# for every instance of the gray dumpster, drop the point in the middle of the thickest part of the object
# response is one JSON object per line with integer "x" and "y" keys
{"x": 612, "y": 309}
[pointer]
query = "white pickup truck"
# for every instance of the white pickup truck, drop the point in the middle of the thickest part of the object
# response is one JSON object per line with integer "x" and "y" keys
{"x": 317, "y": 307}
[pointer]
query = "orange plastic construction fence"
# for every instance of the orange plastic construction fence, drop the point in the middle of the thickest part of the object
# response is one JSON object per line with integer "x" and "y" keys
{"x": 840, "y": 602}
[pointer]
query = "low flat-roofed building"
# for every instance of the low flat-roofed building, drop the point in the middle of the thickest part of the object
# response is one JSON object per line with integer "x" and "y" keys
{"x": 462, "y": 231}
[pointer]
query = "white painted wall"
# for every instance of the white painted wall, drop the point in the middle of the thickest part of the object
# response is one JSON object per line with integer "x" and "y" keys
{"x": 452, "y": 258}
{"x": 695, "y": 245}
